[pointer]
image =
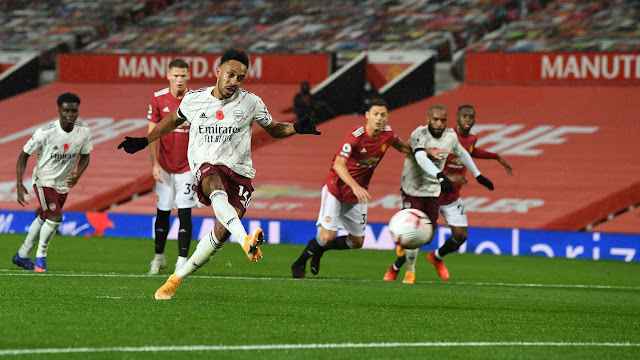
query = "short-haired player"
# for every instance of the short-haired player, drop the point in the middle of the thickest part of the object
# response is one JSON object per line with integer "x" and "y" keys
{"x": 221, "y": 119}
{"x": 345, "y": 192}
{"x": 63, "y": 148}
{"x": 175, "y": 184}
{"x": 424, "y": 180}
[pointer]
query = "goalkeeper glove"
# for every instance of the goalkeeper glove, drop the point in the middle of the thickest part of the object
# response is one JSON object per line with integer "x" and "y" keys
{"x": 133, "y": 144}
{"x": 445, "y": 184}
{"x": 484, "y": 181}
{"x": 306, "y": 125}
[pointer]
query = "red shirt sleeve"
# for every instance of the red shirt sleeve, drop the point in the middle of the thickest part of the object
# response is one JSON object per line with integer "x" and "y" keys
{"x": 483, "y": 154}
{"x": 154, "y": 111}
{"x": 348, "y": 145}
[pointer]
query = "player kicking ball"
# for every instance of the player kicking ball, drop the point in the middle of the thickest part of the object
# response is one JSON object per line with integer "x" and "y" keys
{"x": 219, "y": 153}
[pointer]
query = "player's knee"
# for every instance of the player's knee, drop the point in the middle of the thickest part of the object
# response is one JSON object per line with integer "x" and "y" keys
{"x": 356, "y": 242}
{"x": 326, "y": 238}
{"x": 212, "y": 183}
{"x": 55, "y": 218}
{"x": 460, "y": 234}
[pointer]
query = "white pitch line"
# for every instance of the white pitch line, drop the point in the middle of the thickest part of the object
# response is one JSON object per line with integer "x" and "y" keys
{"x": 303, "y": 346}
{"x": 7, "y": 272}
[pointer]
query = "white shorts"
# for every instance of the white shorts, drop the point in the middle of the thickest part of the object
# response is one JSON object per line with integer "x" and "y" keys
{"x": 335, "y": 215}
{"x": 176, "y": 191}
{"x": 454, "y": 214}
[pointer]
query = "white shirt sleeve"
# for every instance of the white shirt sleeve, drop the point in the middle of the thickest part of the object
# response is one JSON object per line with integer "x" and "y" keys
{"x": 35, "y": 143}
{"x": 185, "y": 111}
{"x": 416, "y": 140}
{"x": 468, "y": 163}
{"x": 88, "y": 144}
{"x": 262, "y": 115}
{"x": 423, "y": 160}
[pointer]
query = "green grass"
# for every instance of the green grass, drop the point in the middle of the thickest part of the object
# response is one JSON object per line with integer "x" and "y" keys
{"x": 95, "y": 295}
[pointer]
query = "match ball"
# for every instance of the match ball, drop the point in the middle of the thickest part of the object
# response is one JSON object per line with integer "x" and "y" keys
{"x": 410, "y": 228}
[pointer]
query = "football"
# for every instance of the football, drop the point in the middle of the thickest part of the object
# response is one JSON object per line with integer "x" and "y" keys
{"x": 410, "y": 228}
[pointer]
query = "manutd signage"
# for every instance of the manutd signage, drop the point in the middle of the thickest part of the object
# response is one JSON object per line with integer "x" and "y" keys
{"x": 559, "y": 68}
{"x": 135, "y": 68}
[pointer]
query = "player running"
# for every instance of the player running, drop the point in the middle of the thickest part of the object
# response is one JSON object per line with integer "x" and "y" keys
{"x": 345, "y": 194}
{"x": 61, "y": 145}
{"x": 425, "y": 183}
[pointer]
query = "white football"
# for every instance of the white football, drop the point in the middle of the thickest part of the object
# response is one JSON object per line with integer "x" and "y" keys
{"x": 410, "y": 228}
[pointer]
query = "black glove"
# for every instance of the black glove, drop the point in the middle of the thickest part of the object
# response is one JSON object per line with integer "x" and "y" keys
{"x": 133, "y": 144}
{"x": 445, "y": 184}
{"x": 484, "y": 181}
{"x": 306, "y": 125}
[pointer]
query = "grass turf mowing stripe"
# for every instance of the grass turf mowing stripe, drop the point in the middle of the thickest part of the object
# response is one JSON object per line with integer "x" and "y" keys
{"x": 301, "y": 346}
{"x": 5, "y": 272}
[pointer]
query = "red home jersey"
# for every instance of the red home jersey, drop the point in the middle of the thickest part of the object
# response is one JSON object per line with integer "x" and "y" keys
{"x": 363, "y": 154}
{"x": 172, "y": 148}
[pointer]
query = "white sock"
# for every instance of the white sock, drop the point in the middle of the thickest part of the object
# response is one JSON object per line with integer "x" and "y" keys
{"x": 437, "y": 254}
{"x": 412, "y": 256}
{"x": 158, "y": 257}
{"x": 207, "y": 247}
{"x": 32, "y": 237}
{"x": 47, "y": 232}
{"x": 227, "y": 215}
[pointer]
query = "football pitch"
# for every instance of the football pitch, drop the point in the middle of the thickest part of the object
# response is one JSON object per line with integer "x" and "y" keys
{"x": 96, "y": 302}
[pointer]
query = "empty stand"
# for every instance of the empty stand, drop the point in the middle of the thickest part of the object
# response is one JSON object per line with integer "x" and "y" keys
{"x": 627, "y": 222}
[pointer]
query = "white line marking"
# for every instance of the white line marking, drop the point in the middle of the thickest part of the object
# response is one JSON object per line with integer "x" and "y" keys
{"x": 301, "y": 346}
{"x": 108, "y": 297}
{"x": 7, "y": 272}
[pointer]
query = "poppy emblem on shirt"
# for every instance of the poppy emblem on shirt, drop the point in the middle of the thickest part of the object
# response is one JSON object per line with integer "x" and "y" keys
{"x": 65, "y": 147}
{"x": 219, "y": 115}
{"x": 383, "y": 147}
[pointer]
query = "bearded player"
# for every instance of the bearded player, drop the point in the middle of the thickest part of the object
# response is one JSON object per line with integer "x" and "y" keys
{"x": 221, "y": 121}
{"x": 423, "y": 181}
{"x": 451, "y": 205}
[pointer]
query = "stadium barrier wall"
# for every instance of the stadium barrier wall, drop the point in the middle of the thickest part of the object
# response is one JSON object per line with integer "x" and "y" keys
{"x": 514, "y": 242}
{"x": 415, "y": 83}
{"x": 264, "y": 68}
{"x": 343, "y": 89}
{"x": 553, "y": 68}
{"x": 20, "y": 76}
